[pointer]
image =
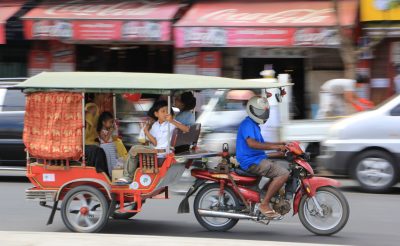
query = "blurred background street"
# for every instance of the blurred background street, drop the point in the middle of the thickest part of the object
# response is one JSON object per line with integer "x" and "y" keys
{"x": 342, "y": 56}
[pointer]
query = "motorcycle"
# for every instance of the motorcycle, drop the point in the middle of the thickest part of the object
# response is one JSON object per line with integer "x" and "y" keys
{"x": 227, "y": 196}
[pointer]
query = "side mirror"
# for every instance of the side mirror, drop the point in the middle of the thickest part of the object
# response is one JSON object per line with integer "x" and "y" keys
{"x": 280, "y": 95}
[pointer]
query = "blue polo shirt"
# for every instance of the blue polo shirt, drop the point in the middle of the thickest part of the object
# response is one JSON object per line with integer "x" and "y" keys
{"x": 244, "y": 154}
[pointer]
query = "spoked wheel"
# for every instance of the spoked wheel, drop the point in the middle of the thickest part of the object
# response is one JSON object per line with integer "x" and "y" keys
{"x": 125, "y": 215}
{"x": 335, "y": 209}
{"x": 84, "y": 209}
{"x": 208, "y": 198}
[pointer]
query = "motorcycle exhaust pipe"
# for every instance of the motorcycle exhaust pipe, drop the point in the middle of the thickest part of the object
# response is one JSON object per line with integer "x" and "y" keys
{"x": 219, "y": 214}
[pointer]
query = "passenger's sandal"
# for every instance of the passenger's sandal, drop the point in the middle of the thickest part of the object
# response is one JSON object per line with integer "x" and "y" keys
{"x": 122, "y": 181}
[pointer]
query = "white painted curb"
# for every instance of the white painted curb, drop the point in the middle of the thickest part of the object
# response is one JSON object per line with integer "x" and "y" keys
{"x": 11, "y": 238}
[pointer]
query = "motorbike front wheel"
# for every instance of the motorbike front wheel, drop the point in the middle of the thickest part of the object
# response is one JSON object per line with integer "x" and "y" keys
{"x": 335, "y": 210}
{"x": 208, "y": 198}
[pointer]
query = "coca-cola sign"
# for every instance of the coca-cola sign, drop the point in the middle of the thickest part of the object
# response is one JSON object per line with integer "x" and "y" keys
{"x": 205, "y": 36}
{"x": 269, "y": 14}
{"x": 48, "y": 28}
{"x": 83, "y": 30}
{"x": 254, "y": 37}
{"x": 316, "y": 37}
{"x": 105, "y": 9}
{"x": 140, "y": 20}
{"x": 138, "y": 30}
{"x": 294, "y": 16}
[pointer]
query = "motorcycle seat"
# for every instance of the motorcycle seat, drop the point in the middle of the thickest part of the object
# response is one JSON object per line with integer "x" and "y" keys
{"x": 242, "y": 172}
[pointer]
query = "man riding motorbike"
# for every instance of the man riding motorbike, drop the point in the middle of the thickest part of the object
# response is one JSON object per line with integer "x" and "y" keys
{"x": 250, "y": 152}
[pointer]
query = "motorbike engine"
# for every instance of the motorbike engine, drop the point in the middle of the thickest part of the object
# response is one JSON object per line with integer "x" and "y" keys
{"x": 281, "y": 206}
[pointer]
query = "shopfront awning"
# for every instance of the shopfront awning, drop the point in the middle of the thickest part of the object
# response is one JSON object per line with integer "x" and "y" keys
{"x": 253, "y": 23}
{"x": 102, "y": 20}
{"x": 7, "y": 9}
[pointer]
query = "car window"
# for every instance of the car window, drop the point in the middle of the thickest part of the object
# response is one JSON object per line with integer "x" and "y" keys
{"x": 234, "y": 102}
{"x": 14, "y": 101}
{"x": 395, "y": 111}
{"x": 230, "y": 105}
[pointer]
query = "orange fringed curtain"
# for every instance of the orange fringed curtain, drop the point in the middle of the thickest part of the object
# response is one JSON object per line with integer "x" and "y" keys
{"x": 53, "y": 125}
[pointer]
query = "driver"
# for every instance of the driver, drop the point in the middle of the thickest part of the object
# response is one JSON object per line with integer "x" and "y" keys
{"x": 250, "y": 152}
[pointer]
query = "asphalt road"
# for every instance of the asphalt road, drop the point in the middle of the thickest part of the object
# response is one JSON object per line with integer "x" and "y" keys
{"x": 374, "y": 220}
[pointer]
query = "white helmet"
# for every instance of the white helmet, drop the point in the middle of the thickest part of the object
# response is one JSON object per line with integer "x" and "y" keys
{"x": 258, "y": 109}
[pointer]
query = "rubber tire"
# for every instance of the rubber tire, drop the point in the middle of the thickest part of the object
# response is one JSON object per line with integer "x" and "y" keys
{"x": 104, "y": 203}
{"x": 226, "y": 227}
{"x": 379, "y": 154}
{"x": 343, "y": 221}
{"x": 123, "y": 216}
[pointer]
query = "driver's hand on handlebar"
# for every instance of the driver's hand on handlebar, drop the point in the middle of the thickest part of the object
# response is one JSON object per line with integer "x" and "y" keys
{"x": 282, "y": 148}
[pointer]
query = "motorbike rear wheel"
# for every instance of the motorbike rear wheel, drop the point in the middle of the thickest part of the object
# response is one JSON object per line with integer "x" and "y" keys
{"x": 335, "y": 208}
{"x": 207, "y": 198}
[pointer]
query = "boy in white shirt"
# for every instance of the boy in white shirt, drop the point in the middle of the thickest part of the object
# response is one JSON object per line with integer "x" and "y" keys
{"x": 157, "y": 133}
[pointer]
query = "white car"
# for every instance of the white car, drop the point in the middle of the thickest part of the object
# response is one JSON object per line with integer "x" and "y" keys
{"x": 366, "y": 146}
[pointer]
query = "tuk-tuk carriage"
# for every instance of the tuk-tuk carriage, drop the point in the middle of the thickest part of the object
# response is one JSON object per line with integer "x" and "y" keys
{"x": 54, "y": 136}
{"x": 62, "y": 166}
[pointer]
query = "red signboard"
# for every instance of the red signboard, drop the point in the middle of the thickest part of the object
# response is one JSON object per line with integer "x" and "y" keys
{"x": 62, "y": 57}
{"x": 257, "y": 23}
{"x": 39, "y": 60}
{"x": 96, "y": 30}
{"x": 7, "y": 9}
{"x": 210, "y": 63}
{"x": 186, "y": 60}
{"x": 102, "y": 20}
{"x": 105, "y": 10}
{"x": 2, "y": 34}
{"x": 254, "y": 37}
{"x": 261, "y": 13}
{"x": 51, "y": 56}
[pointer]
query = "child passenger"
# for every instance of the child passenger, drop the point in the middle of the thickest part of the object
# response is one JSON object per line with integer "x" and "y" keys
{"x": 109, "y": 142}
{"x": 105, "y": 127}
{"x": 156, "y": 131}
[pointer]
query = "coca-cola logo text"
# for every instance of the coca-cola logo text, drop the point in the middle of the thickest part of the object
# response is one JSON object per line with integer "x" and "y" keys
{"x": 59, "y": 29}
{"x": 208, "y": 36}
{"x": 310, "y": 36}
{"x": 294, "y": 16}
{"x": 135, "y": 29}
{"x": 122, "y": 8}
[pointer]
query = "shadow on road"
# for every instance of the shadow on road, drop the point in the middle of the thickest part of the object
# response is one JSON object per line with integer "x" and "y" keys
{"x": 14, "y": 179}
{"x": 357, "y": 189}
{"x": 174, "y": 229}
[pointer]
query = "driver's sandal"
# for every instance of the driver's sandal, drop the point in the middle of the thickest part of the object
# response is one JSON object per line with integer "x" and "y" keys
{"x": 271, "y": 214}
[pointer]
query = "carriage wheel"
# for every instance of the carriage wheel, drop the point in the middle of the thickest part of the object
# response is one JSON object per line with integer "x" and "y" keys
{"x": 84, "y": 209}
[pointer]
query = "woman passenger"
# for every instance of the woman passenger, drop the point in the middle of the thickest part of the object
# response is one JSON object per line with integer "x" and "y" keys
{"x": 185, "y": 102}
{"x": 91, "y": 117}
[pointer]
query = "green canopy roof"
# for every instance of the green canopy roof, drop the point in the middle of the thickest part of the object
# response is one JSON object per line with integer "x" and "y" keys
{"x": 119, "y": 82}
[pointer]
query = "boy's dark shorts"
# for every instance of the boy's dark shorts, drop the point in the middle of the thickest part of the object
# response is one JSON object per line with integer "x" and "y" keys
{"x": 269, "y": 169}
